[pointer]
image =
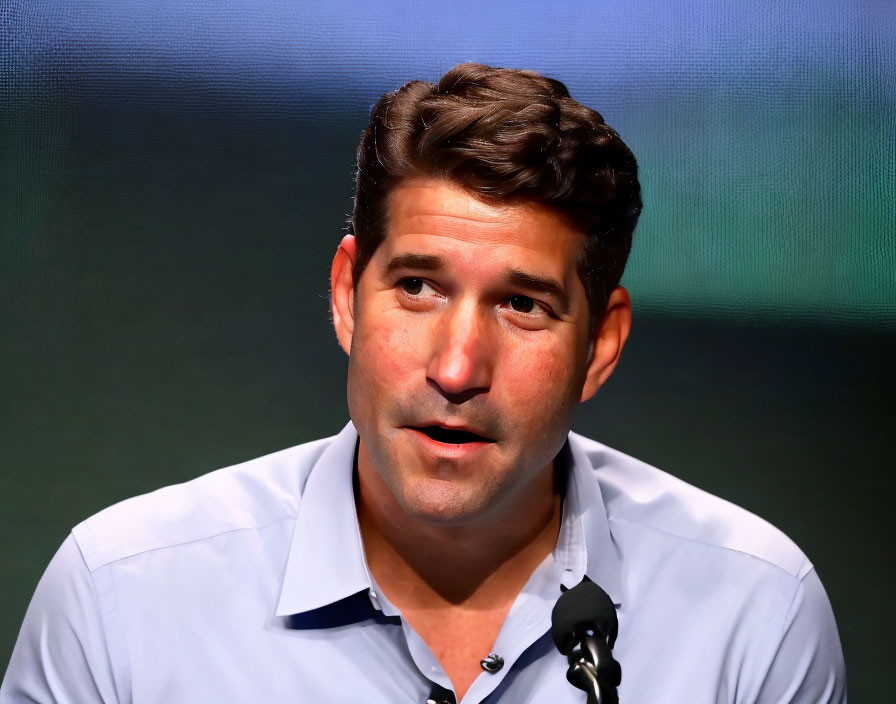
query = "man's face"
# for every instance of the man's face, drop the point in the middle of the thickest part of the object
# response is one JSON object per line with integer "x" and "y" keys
{"x": 469, "y": 348}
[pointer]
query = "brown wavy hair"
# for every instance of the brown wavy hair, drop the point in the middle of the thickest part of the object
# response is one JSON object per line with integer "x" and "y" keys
{"x": 503, "y": 134}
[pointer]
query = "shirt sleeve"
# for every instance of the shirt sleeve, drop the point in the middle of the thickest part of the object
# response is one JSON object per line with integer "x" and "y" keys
{"x": 807, "y": 667}
{"x": 61, "y": 653}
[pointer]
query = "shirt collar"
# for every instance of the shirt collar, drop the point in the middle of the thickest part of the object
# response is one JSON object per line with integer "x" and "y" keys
{"x": 585, "y": 545}
{"x": 326, "y": 560}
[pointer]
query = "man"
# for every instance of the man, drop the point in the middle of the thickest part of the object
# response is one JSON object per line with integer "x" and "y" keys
{"x": 417, "y": 555}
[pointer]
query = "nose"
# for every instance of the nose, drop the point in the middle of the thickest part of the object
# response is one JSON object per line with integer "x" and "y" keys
{"x": 461, "y": 360}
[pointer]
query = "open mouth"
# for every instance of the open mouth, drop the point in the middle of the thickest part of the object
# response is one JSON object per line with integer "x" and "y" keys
{"x": 451, "y": 436}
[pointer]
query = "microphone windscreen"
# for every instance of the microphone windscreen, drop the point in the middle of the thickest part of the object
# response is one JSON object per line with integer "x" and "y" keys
{"x": 584, "y": 606}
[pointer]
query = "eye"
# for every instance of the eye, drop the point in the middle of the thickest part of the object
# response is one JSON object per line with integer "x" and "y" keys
{"x": 522, "y": 304}
{"x": 526, "y": 312}
{"x": 413, "y": 286}
{"x": 417, "y": 293}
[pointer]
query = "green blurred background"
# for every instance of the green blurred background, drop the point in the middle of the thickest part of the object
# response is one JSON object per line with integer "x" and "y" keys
{"x": 175, "y": 177}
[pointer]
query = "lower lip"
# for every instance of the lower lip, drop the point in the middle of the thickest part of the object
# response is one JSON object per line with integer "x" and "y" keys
{"x": 443, "y": 449}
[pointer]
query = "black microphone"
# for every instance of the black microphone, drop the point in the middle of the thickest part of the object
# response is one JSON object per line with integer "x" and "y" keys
{"x": 584, "y": 628}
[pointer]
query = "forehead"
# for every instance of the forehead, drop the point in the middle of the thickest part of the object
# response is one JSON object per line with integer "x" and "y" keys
{"x": 442, "y": 217}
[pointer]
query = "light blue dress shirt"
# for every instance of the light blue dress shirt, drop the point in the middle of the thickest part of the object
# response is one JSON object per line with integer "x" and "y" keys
{"x": 250, "y": 585}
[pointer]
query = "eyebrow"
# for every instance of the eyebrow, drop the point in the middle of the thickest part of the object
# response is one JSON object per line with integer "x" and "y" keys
{"x": 539, "y": 284}
{"x": 425, "y": 262}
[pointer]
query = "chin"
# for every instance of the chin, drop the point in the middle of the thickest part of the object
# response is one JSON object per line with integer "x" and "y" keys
{"x": 443, "y": 501}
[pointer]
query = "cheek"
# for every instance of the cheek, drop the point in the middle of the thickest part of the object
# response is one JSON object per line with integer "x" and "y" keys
{"x": 384, "y": 355}
{"x": 542, "y": 377}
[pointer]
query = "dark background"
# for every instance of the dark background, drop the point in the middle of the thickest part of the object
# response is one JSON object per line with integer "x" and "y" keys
{"x": 174, "y": 178}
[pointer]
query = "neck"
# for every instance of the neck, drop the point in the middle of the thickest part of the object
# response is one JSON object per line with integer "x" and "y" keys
{"x": 481, "y": 563}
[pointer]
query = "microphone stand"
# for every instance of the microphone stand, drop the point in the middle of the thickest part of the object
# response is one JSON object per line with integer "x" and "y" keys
{"x": 593, "y": 669}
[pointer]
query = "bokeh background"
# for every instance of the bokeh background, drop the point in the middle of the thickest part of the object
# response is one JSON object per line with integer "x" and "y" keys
{"x": 175, "y": 176}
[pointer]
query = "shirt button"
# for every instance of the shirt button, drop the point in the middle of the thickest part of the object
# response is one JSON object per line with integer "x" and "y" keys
{"x": 374, "y": 600}
{"x": 493, "y": 663}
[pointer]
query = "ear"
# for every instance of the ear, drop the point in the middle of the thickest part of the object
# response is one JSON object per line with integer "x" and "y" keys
{"x": 342, "y": 291}
{"x": 607, "y": 341}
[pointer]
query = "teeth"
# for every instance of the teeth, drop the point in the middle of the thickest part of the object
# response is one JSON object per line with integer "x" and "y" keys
{"x": 452, "y": 437}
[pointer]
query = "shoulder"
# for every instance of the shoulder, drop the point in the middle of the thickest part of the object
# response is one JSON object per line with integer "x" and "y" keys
{"x": 246, "y": 496}
{"x": 749, "y": 598}
{"x": 637, "y": 494}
